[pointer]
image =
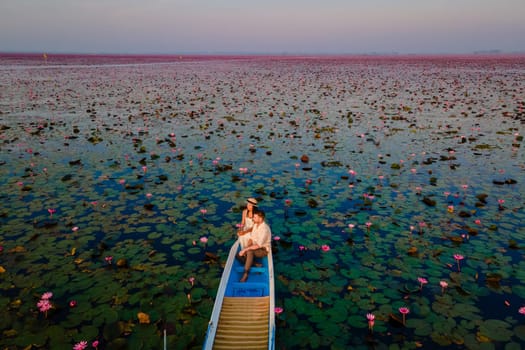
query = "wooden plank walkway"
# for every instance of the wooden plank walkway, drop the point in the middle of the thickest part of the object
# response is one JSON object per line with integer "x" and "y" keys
{"x": 243, "y": 323}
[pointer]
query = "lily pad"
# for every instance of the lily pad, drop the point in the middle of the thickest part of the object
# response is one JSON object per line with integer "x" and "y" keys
{"x": 496, "y": 330}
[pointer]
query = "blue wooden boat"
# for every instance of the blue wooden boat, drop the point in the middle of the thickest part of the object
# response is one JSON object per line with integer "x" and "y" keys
{"x": 243, "y": 314}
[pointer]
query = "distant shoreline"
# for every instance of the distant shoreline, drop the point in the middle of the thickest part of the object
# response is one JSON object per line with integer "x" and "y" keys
{"x": 23, "y": 58}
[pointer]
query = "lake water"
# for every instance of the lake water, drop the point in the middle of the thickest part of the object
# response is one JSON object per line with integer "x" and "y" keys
{"x": 383, "y": 178}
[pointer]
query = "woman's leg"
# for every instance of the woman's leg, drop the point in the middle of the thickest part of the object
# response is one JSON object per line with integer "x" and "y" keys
{"x": 243, "y": 240}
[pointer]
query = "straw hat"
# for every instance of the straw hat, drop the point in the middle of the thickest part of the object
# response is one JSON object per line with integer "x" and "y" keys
{"x": 252, "y": 201}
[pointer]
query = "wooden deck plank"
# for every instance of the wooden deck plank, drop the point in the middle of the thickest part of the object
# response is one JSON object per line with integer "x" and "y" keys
{"x": 243, "y": 323}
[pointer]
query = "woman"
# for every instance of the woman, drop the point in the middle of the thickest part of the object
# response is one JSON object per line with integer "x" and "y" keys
{"x": 247, "y": 222}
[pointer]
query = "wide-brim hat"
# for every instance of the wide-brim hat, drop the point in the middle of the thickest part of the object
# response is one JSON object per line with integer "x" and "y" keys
{"x": 252, "y": 201}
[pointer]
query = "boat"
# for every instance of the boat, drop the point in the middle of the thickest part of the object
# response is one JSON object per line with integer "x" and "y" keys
{"x": 243, "y": 314}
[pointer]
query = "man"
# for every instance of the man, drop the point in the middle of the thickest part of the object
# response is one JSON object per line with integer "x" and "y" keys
{"x": 258, "y": 245}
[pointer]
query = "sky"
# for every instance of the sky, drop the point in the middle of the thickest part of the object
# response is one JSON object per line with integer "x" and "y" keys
{"x": 262, "y": 26}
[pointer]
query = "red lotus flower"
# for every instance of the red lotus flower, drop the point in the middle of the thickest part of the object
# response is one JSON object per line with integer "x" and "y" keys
{"x": 458, "y": 258}
{"x": 371, "y": 320}
{"x": 404, "y": 311}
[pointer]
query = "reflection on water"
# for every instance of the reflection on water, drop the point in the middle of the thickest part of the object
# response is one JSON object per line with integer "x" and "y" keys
{"x": 374, "y": 172}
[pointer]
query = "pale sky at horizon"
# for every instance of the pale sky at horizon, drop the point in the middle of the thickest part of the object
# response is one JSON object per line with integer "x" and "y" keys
{"x": 269, "y": 26}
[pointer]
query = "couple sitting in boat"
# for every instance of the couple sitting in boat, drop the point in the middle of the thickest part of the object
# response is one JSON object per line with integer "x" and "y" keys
{"x": 254, "y": 236}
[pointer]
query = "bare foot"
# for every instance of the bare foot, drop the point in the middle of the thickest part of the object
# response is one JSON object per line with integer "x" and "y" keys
{"x": 244, "y": 277}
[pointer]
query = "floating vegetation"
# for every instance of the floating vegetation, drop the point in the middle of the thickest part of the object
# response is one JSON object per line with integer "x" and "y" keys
{"x": 398, "y": 205}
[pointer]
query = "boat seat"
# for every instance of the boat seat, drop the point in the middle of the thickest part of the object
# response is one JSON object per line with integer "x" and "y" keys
{"x": 252, "y": 270}
{"x": 249, "y": 289}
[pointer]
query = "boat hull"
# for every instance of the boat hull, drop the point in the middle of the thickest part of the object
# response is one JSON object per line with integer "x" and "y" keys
{"x": 243, "y": 314}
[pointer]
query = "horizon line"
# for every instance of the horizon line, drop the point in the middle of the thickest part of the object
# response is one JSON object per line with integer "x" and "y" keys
{"x": 494, "y": 52}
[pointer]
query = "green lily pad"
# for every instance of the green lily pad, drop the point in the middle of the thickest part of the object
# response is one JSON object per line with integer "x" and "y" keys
{"x": 168, "y": 145}
{"x": 496, "y": 330}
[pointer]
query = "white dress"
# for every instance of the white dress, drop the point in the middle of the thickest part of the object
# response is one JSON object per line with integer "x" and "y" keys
{"x": 248, "y": 223}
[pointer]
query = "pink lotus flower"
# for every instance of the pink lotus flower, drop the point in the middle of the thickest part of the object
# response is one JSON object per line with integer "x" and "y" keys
{"x": 47, "y": 295}
{"x": 443, "y": 285}
{"x": 149, "y": 195}
{"x": 302, "y": 248}
{"x": 80, "y": 345}
{"x": 522, "y": 310}
{"x": 203, "y": 211}
{"x": 44, "y": 305}
{"x": 278, "y": 310}
{"x": 95, "y": 344}
{"x": 404, "y": 311}
{"x": 458, "y": 258}
{"x": 191, "y": 280}
{"x": 74, "y": 229}
{"x": 422, "y": 282}
{"x": 108, "y": 259}
{"x": 288, "y": 202}
{"x": 72, "y": 303}
{"x": 276, "y": 238}
{"x": 51, "y": 211}
{"x": 351, "y": 226}
{"x": 325, "y": 247}
{"x": 204, "y": 239}
{"x": 450, "y": 208}
{"x": 477, "y": 222}
{"x": 371, "y": 320}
